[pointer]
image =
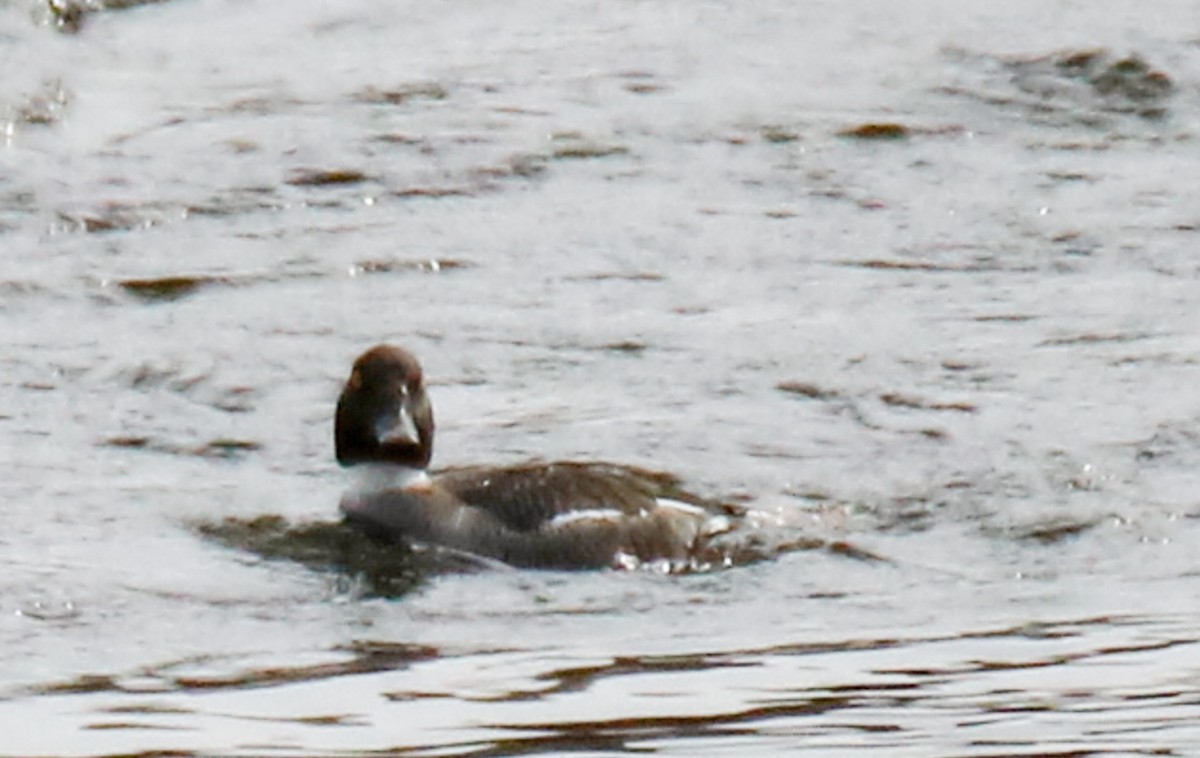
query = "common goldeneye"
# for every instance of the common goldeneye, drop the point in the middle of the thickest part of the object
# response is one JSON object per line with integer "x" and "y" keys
{"x": 547, "y": 515}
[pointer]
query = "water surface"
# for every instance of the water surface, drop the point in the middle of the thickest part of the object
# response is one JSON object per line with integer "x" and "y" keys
{"x": 918, "y": 279}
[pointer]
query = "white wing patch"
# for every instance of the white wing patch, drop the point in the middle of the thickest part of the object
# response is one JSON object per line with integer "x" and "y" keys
{"x": 663, "y": 507}
{"x": 605, "y": 515}
{"x": 682, "y": 507}
{"x": 712, "y": 523}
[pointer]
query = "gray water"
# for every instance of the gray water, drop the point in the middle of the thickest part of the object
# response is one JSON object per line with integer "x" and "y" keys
{"x": 920, "y": 278}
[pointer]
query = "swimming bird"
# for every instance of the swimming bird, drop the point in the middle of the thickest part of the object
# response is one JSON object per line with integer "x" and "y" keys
{"x": 564, "y": 515}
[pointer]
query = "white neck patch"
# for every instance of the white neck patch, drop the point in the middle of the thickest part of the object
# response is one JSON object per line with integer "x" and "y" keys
{"x": 378, "y": 477}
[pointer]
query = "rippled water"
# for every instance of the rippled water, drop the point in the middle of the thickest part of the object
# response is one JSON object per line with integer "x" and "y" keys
{"x": 919, "y": 280}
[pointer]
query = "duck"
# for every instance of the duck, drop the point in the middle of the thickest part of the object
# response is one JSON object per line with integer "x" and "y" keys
{"x": 547, "y": 515}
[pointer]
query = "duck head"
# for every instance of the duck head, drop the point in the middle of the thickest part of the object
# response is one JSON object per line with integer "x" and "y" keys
{"x": 383, "y": 414}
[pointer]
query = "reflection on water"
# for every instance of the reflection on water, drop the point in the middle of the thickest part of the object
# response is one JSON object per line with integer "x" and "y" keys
{"x": 388, "y": 570}
{"x": 992, "y": 691}
{"x": 391, "y": 569}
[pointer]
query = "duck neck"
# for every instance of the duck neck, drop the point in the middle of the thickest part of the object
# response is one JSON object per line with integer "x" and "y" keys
{"x": 376, "y": 477}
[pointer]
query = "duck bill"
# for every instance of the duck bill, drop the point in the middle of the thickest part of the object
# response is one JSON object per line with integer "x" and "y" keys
{"x": 400, "y": 428}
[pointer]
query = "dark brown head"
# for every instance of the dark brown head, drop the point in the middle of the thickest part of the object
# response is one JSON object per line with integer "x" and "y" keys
{"x": 383, "y": 415}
